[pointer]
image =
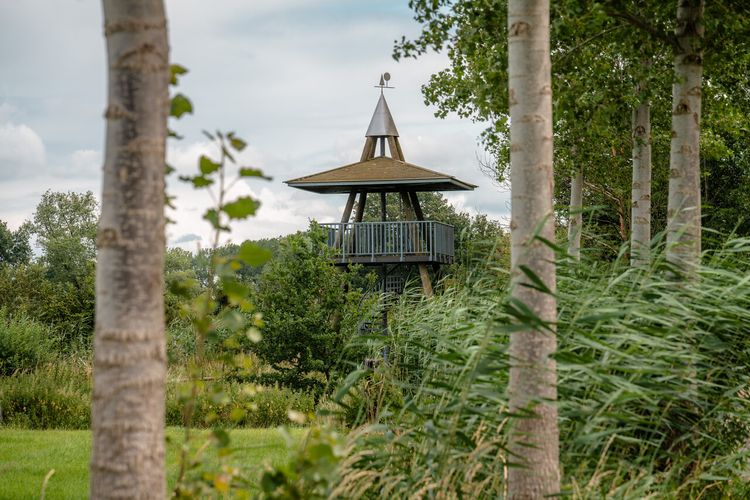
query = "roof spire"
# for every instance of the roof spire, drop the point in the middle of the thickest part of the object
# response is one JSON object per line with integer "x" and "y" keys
{"x": 382, "y": 124}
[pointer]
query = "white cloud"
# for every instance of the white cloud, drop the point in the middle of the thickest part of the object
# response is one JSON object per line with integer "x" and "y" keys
{"x": 84, "y": 162}
{"x": 275, "y": 71}
{"x": 22, "y": 152}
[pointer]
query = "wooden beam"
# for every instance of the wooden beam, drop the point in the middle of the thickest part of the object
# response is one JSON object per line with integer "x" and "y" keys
{"x": 415, "y": 204}
{"x": 424, "y": 275}
{"x": 420, "y": 216}
{"x": 395, "y": 148}
{"x": 368, "y": 153}
{"x": 361, "y": 206}
{"x": 383, "y": 211}
{"x": 345, "y": 217}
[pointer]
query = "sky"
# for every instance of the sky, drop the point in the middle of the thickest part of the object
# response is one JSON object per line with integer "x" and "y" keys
{"x": 294, "y": 78}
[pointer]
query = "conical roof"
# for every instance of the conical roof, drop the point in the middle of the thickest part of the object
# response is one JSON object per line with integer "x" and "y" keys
{"x": 382, "y": 124}
{"x": 379, "y": 174}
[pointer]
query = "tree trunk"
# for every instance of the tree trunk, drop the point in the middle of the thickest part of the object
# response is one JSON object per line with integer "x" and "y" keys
{"x": 129, "y": 346}
{"x": 684, "y": 205}
{"x": 533, "y": 442}
{"x": 575, "y": 217}
{"x": 640, "y": 211}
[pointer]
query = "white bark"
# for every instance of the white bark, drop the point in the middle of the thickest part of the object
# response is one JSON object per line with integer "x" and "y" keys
{"x": 684, "y": 205}
{"x": 533, "y": 441}
{"x": 129, "y": 347}
{"x": 575, "y": 217}
{"x": 640, "y": 211}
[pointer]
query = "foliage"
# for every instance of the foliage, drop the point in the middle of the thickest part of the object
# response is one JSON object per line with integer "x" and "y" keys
{"x": 66, "y": 308}
{"x": 65, "y": 226}
{"x": 375, "y": 395}
{"x": 54, "y": 396}
{"x": 24, "y": 343}
{"x": 606, "y": 58}
{"x": 179, "y": 280}
{"x": 58, "y": 289}
{"x": 220, "y": 314}
{"x": 310, "y": 309}
{"x": 238, "y": 405}
{"x": 247, "y": 274}
{"x": 652, "y": 387}
{"x": 311, "y": 472}
{"x": 14, "y": 245}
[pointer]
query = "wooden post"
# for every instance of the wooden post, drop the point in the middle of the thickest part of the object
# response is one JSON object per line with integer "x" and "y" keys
{"x": 415, "y": 204}
{"x": 423, "y": 273}
{"x": 358, "y": 216}
{"x": 345, "y": 218}
{"x": 420, "y": 216}
{"x": 368, "y": 152}
{"x": 361, "y": 207}
{"x": 395, "y": 148}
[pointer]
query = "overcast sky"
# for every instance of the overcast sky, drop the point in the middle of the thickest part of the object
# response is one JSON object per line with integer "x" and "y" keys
{"x": 293, "y": 77}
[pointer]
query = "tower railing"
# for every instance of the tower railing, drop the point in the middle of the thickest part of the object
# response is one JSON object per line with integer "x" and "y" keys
{"x": 396, "y": 241}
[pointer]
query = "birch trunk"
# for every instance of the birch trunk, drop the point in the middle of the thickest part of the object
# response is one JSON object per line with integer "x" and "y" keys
{"x": 684, "y": 205}
{"x": 575, "y": 217}
{"x": 640, "y": 211}
{"x": 129, "y": 347}
{"x": 533, "y": 442}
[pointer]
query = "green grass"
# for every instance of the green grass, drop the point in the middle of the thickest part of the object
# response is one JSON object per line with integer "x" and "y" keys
{"x": 26, "y": 456}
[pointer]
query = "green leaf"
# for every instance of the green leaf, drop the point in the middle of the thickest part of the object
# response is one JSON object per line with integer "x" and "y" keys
{"x": 253, "y": 254}
{"x": 198, "y": 181}
{"x": 207, "y": 165}
{"x": 169, "y": 201}
{"x": 172, "y": 133}
{"x": 174, "y": 71}
{"x": 241, "y": 208}
{"x": 253, "y": 172}
{"x": 235, "y": 291}
{"x": 168, "y": 169}
{"x": 236, "y": 142}
{"x": 180, "y": 106}
{"x": 221, "y": 436}
{"x": 212, "y": 216}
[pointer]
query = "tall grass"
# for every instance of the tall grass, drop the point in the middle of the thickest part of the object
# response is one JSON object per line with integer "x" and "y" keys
{"x": 653, "y": 381}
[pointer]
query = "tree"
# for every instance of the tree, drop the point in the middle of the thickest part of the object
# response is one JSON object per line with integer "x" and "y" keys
{"x": 65, "y": 228}
{"x": 575, "y": 217}
{"x": 14, "y": 245}
{"x": 533, "y": 437}
{"x": 310, "y": 309}
{"x": 640, "y": 214}
{"x": 129, "y": 345}
{"x": 684, "y": 205}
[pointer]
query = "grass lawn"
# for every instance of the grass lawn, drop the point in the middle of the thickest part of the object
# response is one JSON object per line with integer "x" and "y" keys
{"x": 26, "y": 456}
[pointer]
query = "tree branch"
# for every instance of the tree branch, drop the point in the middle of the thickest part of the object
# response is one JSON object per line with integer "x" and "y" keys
{"x": 643, "y": 25}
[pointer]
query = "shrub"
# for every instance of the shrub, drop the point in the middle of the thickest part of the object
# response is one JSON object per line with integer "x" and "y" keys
{"x": 180, "y": 341}
{"x": 51, "y": 397}
{"x": 24, "y": 343}
{"x": 66, "y": 307}
{"x": 309, "y": 308}
{"x": 238, "y": 405}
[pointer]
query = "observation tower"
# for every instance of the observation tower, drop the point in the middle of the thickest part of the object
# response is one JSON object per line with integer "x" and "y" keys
{"x": 397, "y": 246}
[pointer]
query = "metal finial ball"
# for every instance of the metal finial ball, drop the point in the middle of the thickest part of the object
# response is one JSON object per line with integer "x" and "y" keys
{"x": 387, "y": 76}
